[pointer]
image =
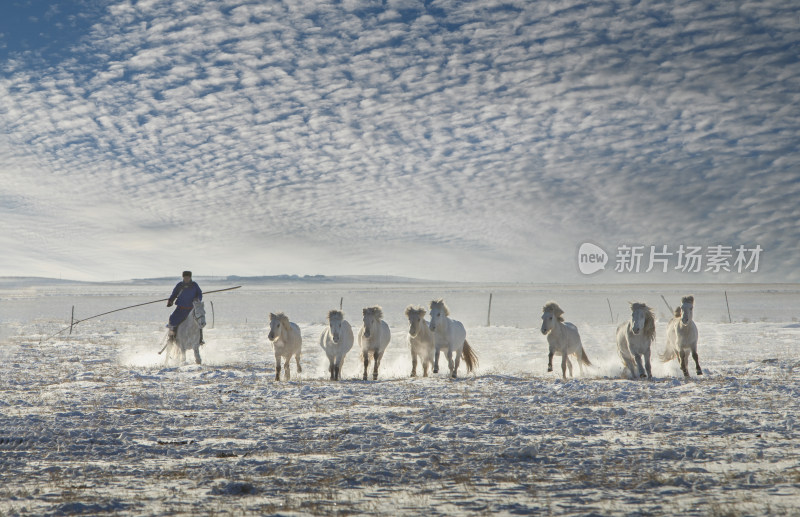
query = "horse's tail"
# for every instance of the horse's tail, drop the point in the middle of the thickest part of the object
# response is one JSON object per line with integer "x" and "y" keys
{"x": 668, "y": 355}
{"x": 585, "y": 358}
{"x": 470, "y": 358}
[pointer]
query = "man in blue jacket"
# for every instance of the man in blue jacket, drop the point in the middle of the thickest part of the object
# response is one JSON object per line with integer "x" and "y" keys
{"x": 185, "y": 293}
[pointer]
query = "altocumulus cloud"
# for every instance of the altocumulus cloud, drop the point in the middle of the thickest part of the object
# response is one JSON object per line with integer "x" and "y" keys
{"x": 448, "y": 140}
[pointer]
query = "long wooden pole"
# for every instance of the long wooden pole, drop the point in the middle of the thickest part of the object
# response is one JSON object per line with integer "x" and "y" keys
{"x": 75, "y": 322}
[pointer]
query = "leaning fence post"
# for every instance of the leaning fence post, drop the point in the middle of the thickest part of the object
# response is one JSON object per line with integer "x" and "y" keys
{"x": 729, "y": 307}
{"x": 212, "y": 313}
{"x": 489, "y": 316}
{"x": 71, "y": 320}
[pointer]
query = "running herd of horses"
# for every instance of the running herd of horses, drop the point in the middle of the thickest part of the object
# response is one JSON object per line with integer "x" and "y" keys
{"x": 440, "y": 333}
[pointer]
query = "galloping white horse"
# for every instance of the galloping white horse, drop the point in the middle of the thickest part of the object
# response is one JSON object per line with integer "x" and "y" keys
{"x": 187, "y": 336}
{"x": 452, "y": 335}
{"x": 336, "y": 340}
{"x": 373, "y": 338}
{"x": 635, "y": 337}
{"x": 286, "y": 341}
{"x": 563, "y": 339}
{"x": 420, "y": 340}
{"x": 682, "y": 337}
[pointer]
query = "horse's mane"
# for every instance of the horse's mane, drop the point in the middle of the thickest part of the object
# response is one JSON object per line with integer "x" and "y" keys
{"x": 649, "y": 320}
{"x": 333, "y": 313}
{"x": 415, "y": 309}
{"x": 686, "y": 299}
{"x": 441, "y": 303}
{"x": 375, "y": 311}
{"x": 555, "y": 309}
{"x": 283, "y": 318}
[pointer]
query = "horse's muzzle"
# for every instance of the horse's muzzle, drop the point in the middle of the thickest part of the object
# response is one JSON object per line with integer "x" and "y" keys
{"x": 636, "y": 331}
{"x": 544, "y": 330}
{"x": 271, "y": 336}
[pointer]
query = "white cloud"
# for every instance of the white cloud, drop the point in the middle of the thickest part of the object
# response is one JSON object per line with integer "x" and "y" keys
{"x": 312, "y": 138}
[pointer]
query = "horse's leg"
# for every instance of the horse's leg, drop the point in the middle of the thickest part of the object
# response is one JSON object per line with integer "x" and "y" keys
{"x": 565, "y": 362}
{"x": 197, "y": 354}
{"x": 332, "y": 367}
{"x": 683, "y": 357}
{"x": 297, "y": 360}
{"x": 286, "y": 373}
{"x": 457, "y": 363}
{"x": 629, "y": 365}
{"x": 378, "y": 357}
{"x": 696, "y": 362}
{"x": 639, "y": 364}
{"x": 451, "y": 363}
{"x": 550, "y": 362}
{"x": 277, "y": 367}
{"x": 414, "y": 364}
{"x": 647, "y": 364}
{"x": 436, "y": 360}
{"x": 365, "y": 357}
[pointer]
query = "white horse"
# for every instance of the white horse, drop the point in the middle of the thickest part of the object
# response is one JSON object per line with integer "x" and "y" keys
{"x": 373, "y": 338}
{"x": 563, "y": 339}
{"x": 634, "y": 339}
{"x": 682, "y": 337}
{"x": 336, "y": 340}
{"x": 187, "y": 336}
{"x": 286, "y": 342}
{"x": 420, "y": 340}
{"x": 452, "y": 335}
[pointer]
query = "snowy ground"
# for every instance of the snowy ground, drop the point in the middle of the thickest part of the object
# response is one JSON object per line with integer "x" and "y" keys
{"x": 94, "y": 424}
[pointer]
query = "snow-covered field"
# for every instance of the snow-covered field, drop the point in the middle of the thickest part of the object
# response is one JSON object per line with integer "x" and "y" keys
{"x": 94, "y": 424}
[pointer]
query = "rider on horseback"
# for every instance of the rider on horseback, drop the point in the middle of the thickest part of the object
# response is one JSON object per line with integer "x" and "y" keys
{"x": 185, "y": 293}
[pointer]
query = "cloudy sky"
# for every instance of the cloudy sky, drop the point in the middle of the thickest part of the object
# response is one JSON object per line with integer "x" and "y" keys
{"x": 453, "y": 140}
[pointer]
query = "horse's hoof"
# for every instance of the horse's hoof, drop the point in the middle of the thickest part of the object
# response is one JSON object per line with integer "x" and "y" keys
{"x": 642, "y": 376}
{"x": 549, "y": 368}
{"x": 699, "y": 372}
{"x": 436, "y": 370}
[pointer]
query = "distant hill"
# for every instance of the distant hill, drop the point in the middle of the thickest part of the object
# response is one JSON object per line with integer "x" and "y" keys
{"x": 16, "y": 281}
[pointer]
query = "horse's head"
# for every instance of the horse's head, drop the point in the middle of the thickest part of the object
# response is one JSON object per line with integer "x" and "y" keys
{"x": 439, "y": 312}
{"x": 199, "y": 309}
{"x": 335, "y": 319}
{"x": 686, "y": 309}
{"x": 551, "y": 314}
{"x": 372, "y": 318}
{"x": 416, "y": 318}
{"x": 276, "y": 321}
{"x": 638, "y": 317}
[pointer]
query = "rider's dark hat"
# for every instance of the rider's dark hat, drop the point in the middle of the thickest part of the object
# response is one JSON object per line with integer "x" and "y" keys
{"x": 187, "y": 273}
